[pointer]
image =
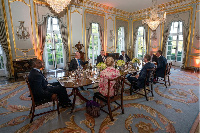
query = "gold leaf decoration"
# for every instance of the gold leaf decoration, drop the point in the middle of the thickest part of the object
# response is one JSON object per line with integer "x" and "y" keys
{"x": 168, "y": 106}
{"x": 132, "y": 97}
{"x": 149, "y": 110}
{"x": 73, "y": 127}
{"x": 148, "y": 118}
{"x": 193, "y": 97}
{"x": 107, "y": 122}
{"x": 89, "y": 122}
{"x": 158, "y": 102}
{"x": 15, "y": 121}
{"x": 41, "y": 120}
{"x": 128, "y": 122}
{"x": 178, "y": 110}
{"x": 11, "y": 95}
{"x": 144, "y": 127}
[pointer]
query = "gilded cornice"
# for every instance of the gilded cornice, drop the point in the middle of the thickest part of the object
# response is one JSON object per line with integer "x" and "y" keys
{"x": 137, "y": 14}
{"x": 162, "y": 7}
{"x": 105, "y": 8}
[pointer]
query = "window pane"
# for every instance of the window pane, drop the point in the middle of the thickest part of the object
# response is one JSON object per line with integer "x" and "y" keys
{"x": 49, "y": 23}
{"x": 50, "y": 59}
{"x": 169, "y": 52}
{"x": 169, "y": 42}
{"x": 173, "y": 57}
{"x": 168, "y": 57}
{"x": 180, "y": 26}
{"x": 169, "y": 48}
{"x": 174, "y": 27}
{"x": 140, "y": 30}
{"x": 170, "y": 38}
{"x": 55, "y": 21}
{"x": 180, "y": 37}
{"x": 178, "y": 58}
{"x": 55, "y": 27}
{"x": 174, "y": 37}
{"x": 95, "y": 28}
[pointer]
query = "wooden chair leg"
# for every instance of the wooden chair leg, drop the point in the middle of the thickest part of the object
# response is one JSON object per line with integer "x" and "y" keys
{"x": 122, "y": 104}
{"x": 169, "y": 81}
{"x": 31, "y": 110}
{"x": 110, "y": 112}
{"x": 74, "y": 101}
{"x": 165, "y": 82}
{"x": 145, "y": 92}
{"x": 152, "y": 89}
{"x": 57, "y": 106}
{"x": 131, "y": 89}
{"x": 32, "y": 114}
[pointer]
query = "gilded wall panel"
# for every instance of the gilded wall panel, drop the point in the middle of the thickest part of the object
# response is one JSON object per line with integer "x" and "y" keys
{"x": 23, "y": 47}
{"x": 93, "y": 16}
{"x": 110, "y": 33}
{"x": 76, "y": 26}
{"x": 195, "y": 49}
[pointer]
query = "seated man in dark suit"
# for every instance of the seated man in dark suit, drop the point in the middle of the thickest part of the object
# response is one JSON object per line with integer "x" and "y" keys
{"x": 102, "y": 57}
{"x": 139, "y": 79}
{"x": 161, "y": 64}
{"x": 124, "y": 57}
{"x": 76, "y": 62}
{"x": 40, "y": 87}
{"x": 153, "y": 57}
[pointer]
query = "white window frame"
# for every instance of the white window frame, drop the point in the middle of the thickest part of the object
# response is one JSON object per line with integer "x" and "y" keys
{"x": 144, "y": 43}
{"x": 52, "y": 32}
{"x": 179, "y": 32}
{"x": 122, "y": 38}
{"x": 99, "y": 45}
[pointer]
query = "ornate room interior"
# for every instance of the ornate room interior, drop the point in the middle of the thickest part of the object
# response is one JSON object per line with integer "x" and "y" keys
{"x": 53, "y": 33}
{"x": 74, "y": 25}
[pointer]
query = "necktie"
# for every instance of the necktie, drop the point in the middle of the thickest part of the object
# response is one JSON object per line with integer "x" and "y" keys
{"x": 103, "y": 59}
{"x": 79, "y": 64}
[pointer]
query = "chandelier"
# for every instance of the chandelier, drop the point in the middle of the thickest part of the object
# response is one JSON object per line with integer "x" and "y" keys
{"x": 154, "y": 20}
{"x": 22, "y": 32}
{"x": 58, "y": 5}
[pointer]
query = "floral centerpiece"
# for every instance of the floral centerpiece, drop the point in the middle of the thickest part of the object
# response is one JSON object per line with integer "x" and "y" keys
{"x": 101, "y": 66}
{"x": 135, "y": 60}
{"x": 120, "y": 63}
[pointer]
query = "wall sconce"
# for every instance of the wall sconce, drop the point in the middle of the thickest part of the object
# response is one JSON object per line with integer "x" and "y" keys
{"x": 111, "y": 35}
{"x": 197, "y": 35}
{"x": 22, "y": 32}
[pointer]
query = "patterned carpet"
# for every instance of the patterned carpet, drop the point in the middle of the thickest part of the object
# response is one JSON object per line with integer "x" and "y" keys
{"x": 172, "y": 109}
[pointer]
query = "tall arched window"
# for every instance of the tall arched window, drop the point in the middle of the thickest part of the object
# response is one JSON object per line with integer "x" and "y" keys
{"x": 175, "y": 44}
{"x": 94, "y": 46}
{"x": 53, "y": 45}
{"x": 120, "y": 41}
{"x": 140, "y": 43}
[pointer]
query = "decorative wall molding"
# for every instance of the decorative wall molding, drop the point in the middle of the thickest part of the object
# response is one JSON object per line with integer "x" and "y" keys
{"x": 196, "y": 30}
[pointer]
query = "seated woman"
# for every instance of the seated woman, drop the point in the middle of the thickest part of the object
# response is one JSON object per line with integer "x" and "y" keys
{"x": 109, "y": 73}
